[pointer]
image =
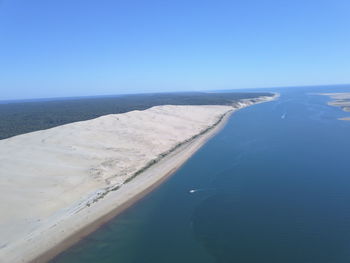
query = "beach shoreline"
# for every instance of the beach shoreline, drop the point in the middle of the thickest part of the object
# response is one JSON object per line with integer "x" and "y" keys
{"x": 183, "y": 153}
{"x": 73, "y": 228}
{"x": 186, "y": 150}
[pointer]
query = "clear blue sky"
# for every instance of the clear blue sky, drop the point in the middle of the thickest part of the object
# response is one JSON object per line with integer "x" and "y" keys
{"x": 53, "y": 48}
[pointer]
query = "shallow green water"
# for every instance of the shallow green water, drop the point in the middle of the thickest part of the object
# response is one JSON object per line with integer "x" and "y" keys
{"x": 273, "y": 186}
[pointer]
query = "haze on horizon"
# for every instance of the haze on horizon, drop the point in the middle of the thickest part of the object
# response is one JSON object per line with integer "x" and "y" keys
{"x": 81, "y": 48}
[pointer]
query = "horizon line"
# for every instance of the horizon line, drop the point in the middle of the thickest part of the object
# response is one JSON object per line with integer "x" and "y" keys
{"x": 159, "y": 92}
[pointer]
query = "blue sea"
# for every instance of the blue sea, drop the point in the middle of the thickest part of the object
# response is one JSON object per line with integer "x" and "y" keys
{"x": 272, "y": 187}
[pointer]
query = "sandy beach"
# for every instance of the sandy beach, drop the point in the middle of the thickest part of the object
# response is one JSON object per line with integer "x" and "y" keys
{"x": 60, "y": 184}
{"x": 341, "y": 100}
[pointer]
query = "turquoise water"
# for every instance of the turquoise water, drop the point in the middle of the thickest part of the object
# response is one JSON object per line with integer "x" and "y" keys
{"x": 273, "y": 186}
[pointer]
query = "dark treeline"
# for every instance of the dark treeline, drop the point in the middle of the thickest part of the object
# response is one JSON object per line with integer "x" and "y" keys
{"x": 23, "y": 117}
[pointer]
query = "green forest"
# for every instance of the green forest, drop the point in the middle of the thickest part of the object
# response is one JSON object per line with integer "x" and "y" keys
{"x": 28, "y": 116}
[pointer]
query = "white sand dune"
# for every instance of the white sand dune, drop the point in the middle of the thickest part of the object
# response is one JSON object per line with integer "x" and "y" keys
{"x": 56, "y": 182}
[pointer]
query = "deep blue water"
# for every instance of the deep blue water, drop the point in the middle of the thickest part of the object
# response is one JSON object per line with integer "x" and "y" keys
{"x": 270, "y": 189}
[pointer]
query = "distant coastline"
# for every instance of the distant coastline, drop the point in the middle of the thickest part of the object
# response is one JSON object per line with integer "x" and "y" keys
{"x": 341, "y": 100}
